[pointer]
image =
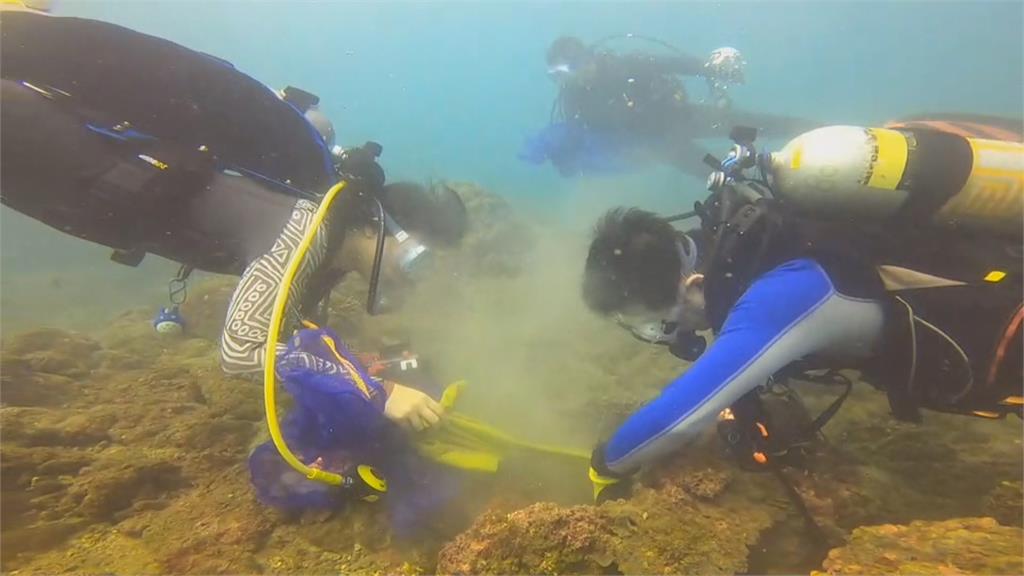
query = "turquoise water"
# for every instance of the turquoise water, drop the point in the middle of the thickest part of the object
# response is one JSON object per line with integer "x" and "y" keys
{"x": 451, "y": 89}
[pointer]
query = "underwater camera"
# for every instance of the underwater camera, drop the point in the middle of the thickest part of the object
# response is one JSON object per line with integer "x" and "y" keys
{"x": 743, "y": 156}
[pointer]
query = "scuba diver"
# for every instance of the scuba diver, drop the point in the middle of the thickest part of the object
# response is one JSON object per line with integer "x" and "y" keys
{"x": 145, "y": 146}
{"x": 895, "y": 251}
{"x": 348, "y": 242}
{"x": 612, "y": 108}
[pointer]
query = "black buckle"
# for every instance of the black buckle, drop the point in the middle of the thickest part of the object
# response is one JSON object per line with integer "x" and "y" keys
{"x": 131, "y": 257}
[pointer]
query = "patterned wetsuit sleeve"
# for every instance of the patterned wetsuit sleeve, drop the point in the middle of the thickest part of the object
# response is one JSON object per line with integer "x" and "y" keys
{"x": 248, "y": 320}
{"x": 790, "y": 312}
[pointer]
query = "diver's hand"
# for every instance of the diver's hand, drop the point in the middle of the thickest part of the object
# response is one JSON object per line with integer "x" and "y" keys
{"x": 608, "y": 485}
{"x": 412, "y": 409}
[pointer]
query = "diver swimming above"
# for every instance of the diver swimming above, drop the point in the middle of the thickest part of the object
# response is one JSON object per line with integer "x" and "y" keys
{"x": 612, "y": 107}
{"x": 893, "y": 251}
{"x": 145, "y": 146}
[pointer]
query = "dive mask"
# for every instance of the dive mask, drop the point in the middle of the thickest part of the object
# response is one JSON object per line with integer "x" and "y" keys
{"x": 560, "y": 71}
{"x": 650, "y": 327}
{"x": 663, "y": 327}
{"x": 684, "y": 344}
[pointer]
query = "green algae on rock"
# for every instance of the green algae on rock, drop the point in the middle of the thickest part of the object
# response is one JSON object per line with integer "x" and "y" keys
{"x": 98, "y": 550}
{"x": 112, "y": 441}
{"x": 650, "y": 534}
{"x": 959, "y": 546}
{"x": 124, "y": 451}
{"x": 1006, "y": 503}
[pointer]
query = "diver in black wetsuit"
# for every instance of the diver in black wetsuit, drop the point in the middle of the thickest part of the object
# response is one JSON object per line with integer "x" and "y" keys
{"x": 635, "y": 93}
{"x": 612, "y": 104}
{"x": 145, "y": 146}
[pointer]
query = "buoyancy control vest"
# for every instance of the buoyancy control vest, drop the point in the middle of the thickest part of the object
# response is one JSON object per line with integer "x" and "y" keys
{"x": 133, "y": 127}
{"x": 169, "y": 91}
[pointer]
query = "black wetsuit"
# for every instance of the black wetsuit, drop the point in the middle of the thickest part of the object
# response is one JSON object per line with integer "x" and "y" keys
{"x": 143, "y": 145}
{"x": 636, "y": 94}
{"x": 639, "y": 102}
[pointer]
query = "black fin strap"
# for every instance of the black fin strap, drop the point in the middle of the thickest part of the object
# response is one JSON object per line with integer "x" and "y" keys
{"x": 813, "y": 529}
{"x": 833, "y": 408}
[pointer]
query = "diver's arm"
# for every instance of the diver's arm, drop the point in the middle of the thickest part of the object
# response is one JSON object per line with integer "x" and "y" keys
{"x": 656, "y": 65}
{"x": 243, "y": 340}
{"x": 245, "y": 329}
{"x": 788, "y": 313}
{"x": 681, "y": 65}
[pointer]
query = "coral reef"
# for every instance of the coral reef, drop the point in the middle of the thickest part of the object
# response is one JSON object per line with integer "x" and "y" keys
{"x": 879, "y": 470}
{"x": 682, "y": 481}
{"x": 97, "y": 550}
{"x": 1006, "y": 503}
{"x": 650, "y": 534}
{"x": 959, "y": 546}
{"x": 124, "y": 451}
{"x": 117, "y": 439}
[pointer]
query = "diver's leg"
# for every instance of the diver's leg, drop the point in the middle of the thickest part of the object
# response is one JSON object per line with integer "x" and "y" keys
{"x": 58, "y": 171}
{"x": 49, "y": 161}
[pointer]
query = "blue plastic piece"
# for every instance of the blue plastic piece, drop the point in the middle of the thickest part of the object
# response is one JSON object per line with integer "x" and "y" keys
{"x": 169, "y": 321}
{"x": 336, "y": 426}
{"x": 124, "y": 135}
{"x": 576, "y": 150}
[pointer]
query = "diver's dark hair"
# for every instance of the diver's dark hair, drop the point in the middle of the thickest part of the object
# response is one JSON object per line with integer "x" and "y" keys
{"x": 633, "y": 259}
{"x": 568, "y": 49}
{"x": 435, "y": 214}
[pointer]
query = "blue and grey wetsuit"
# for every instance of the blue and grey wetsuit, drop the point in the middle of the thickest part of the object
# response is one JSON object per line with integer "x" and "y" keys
{"x": 788, "y": 313}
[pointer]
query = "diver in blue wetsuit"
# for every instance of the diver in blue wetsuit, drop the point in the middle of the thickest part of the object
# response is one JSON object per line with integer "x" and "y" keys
{"x": 791, "y": 311}
{"x": 925, "y": 300}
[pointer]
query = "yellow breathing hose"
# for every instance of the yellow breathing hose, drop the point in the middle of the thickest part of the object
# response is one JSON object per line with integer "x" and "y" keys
{"x": 458, "y": 424}
{"x": 482, "y": 433}
{"x": 270, "y": 356}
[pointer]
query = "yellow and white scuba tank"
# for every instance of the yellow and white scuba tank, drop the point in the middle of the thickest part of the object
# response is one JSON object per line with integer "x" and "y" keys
{"x": 933, "y": 176}
{"x": 27, "y": 5}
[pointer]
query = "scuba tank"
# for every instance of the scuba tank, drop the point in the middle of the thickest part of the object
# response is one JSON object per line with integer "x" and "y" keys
{"x": 916, "y": 175}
